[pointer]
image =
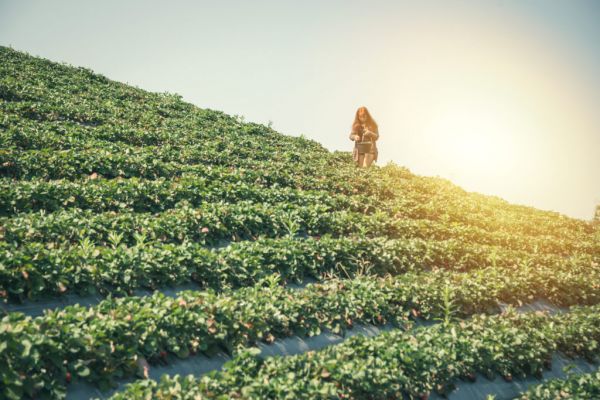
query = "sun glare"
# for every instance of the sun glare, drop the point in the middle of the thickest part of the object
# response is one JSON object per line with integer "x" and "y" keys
{"x": 475, "y": 138}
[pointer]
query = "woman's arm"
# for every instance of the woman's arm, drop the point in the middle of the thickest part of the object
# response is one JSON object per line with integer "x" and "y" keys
{"x": 373, "y": 135}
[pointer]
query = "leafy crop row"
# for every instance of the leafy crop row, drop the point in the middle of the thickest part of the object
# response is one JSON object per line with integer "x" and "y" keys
{"x": 575, "y": 386}
{"x": 154, "y": 195}
{"x": 111, "y": 160}
{"x": 33, "y": 271}
{"x": 212, "y": 222}
{"x": 106, "y": 341}
{"x": 207, "y": 224}
{"x": 395, "y": 364}
{"x": 36, "y": 270}
{"x": 77, "y": 163}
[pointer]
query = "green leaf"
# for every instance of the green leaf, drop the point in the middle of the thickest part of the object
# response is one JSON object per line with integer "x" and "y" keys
{"x": 83, "y": 372}
{"x": 26, "y": 348}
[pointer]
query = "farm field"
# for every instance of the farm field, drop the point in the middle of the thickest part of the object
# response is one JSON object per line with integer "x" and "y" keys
{"x": 138, "y": 231}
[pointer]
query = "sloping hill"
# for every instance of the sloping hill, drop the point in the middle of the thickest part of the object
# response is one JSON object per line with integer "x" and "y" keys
{"x": 107, "y": 189}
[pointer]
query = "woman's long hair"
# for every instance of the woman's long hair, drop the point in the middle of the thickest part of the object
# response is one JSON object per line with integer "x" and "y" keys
{"x": 370, "y": 123}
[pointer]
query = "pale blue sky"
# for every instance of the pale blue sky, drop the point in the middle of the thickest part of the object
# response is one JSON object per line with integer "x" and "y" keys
{"x": 501, "y": 97}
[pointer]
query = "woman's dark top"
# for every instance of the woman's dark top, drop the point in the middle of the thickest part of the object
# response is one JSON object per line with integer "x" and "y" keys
{"x": 358, "y": 130}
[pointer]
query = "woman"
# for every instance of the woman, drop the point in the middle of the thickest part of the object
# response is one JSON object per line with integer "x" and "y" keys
{"x": 364, "y": 128}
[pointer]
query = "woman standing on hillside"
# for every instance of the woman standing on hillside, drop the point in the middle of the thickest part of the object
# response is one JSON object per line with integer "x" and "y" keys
{"x": 364, "y": 133}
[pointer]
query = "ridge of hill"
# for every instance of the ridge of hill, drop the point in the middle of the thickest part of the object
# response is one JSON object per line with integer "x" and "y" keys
{"x": 106, "y": 189}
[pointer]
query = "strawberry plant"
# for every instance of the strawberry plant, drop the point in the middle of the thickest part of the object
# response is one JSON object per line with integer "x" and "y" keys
{"x": 574, "y": 386}
{"x": 394, "y": 364}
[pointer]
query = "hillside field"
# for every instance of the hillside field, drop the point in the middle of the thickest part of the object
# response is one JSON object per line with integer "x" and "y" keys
{"x": 115, "y": 194}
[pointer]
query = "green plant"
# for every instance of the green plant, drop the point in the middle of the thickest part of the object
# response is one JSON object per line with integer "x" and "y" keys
{"x": 292, "y": 225}
{"x": 449, "y": 308}
{"x": 394, "y": 364}
{"x": 115, "y": 238}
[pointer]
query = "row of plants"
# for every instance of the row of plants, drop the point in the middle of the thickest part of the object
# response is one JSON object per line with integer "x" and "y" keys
{"x": 34, "y": 271}
{"x": 24, "y": 133}
{"x": 175, "y": 161}
{"x": 38, "y": 270}
{"x": 107, "y": 160}
{"x": 436, "y": 199}
{"x": 439, "y": 199}
{"x": 574, "y": 386}
{"x": 113, "y": 160}
{"x": 453, "y": 205}
{"x": 142, "y": 195}
{"x": 396, "y": 364}
{"x": 210, "y": 223}
{"x": 317, "y": 171}
{"x": 107, "y": 341}
{"x": 29, "y": 128}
